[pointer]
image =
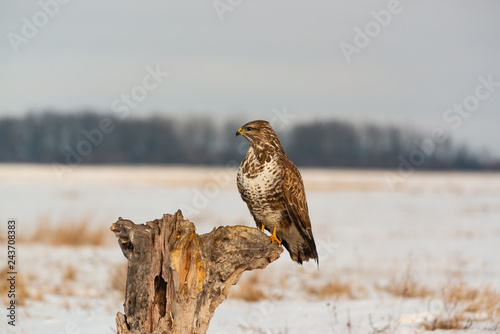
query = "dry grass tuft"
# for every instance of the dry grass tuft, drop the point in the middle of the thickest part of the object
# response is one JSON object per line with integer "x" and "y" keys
{"x": 334, "y": 289}
{"x": 464, "y": 305}
{"x": 72, "y": 233}
{"x": 69, "y": 274}
{"x": 487, "y": 300}
{"x": 483, "y": 300}
{"x": 407, "y": 287}
{"x": 21, "y": 291}
{"x": 456, "y": 321}
{"x": 118, "y": 278}
{"x": 249, "y": 289}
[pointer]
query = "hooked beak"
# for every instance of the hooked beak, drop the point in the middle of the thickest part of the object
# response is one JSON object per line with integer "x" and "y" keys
{"x": 239, "y": 132}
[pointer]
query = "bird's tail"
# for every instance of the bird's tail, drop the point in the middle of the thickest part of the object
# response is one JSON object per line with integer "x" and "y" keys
{"x": 301, "y": 247}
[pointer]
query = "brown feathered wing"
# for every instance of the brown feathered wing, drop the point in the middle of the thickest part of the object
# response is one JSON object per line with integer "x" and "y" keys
{"x": 296, "y": 205}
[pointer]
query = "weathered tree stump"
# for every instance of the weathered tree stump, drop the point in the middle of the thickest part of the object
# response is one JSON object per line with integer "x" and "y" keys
{"x": 177, "y": 278}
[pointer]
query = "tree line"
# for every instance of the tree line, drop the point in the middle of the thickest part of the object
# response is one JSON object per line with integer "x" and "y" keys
{"x": 92, "y": 138}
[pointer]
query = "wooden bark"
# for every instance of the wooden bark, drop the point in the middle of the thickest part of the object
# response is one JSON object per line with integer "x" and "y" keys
{"x": 177, "y": 278}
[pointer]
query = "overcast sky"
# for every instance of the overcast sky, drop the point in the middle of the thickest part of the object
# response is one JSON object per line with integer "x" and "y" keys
{"x": 392, "y": 62}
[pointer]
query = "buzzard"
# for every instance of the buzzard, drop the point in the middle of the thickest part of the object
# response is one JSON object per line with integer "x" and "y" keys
{"x": 273, "y": 190}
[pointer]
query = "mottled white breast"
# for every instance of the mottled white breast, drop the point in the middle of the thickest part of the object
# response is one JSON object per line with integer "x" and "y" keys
{"x": 261, "y": 186}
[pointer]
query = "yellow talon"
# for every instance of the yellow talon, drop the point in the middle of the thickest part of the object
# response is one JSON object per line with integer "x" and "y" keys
{"x": 274, "y": 237}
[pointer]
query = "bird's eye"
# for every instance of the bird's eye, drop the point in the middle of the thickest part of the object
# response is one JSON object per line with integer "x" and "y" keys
{"x": 249, "y": 128}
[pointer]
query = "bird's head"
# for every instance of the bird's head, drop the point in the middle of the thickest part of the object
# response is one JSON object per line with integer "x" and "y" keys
{"x": 258, "y": 132}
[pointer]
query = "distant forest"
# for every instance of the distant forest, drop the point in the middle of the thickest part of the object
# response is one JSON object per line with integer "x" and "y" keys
{"x": 92, "y": 138}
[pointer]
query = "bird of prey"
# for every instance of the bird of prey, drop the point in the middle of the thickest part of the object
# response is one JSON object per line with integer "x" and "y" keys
{"x": 273, "y": 190}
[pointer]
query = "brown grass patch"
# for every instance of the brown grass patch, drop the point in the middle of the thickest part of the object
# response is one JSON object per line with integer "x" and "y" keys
{"x": 483, "y": 300}
{"x": 456, "y": 321}
{"x": 249, "y": 289}
{"x": 118, "y": 278}
{"x": 406, "y": 286}
{"x": 21, "y": 292}
{"x": 334, "y": 289}
{"x": 464, "y": 305}
{"x": 71, "y": 233}
{"x": 69, "y": 274}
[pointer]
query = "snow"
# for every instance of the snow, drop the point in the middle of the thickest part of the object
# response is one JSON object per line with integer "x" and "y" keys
{"x": 435, "y": 228}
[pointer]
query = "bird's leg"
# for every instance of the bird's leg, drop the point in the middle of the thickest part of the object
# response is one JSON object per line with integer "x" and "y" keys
{"x": 274, "y": 237}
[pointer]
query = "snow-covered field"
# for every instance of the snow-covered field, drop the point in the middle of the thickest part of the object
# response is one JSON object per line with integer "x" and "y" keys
{"x": 398, "y": 257}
